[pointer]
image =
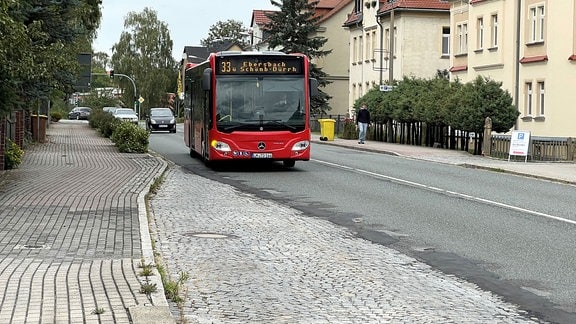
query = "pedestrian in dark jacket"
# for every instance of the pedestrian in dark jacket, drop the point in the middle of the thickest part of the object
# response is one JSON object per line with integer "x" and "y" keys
{"x": 362, "y": 120}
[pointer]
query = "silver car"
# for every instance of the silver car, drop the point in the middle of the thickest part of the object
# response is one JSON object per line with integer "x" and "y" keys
{"x": 80, "y": 113}
{"x": 126, "y": 114}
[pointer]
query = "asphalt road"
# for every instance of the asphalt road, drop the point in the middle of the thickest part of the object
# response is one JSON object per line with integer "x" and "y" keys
{"x": 503, "y": 232}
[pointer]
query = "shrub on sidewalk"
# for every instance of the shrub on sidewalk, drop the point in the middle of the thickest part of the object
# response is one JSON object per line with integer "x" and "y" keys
{"x": 130, "y": 138}
{"x": 350, "y": 131}
{"x": 13, "y": 155}
{"x": 104, "y": 122}
{"x": 55, "y": 116}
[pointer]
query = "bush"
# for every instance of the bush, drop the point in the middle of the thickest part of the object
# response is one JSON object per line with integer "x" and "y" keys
{"x": 130, "y": 138}
{"x": 350, "y": 131}
{"x": 104, "y": 122}
{"x": 13, "y": 155}
{"x": 55, "y": 116}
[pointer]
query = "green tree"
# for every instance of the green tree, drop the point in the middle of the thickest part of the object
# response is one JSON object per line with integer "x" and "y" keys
{"x": 483, "y": 98}
{"x": 144, "y": 53}
{"x": 40, "y": 42}
{"x": 378, "y": 104}
{"x": 232, "y": 30}
{"x": 294, "y": 29}
{"x": 15, "y": 49}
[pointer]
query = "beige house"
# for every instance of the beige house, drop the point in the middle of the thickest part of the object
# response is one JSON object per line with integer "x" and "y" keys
{"x": 335, "y": 64}
{"x": 258, "y": 34}
{"x": 510, "y": 42}
{"x": 417, "y": 32}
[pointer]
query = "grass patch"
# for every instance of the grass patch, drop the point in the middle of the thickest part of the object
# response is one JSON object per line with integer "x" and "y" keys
{"x": 98, "y": 311}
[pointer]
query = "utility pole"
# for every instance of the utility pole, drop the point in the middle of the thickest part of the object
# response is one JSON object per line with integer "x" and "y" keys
{"x": 390, "y": 135}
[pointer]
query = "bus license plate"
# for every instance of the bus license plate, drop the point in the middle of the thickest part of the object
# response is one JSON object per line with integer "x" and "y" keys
{"x": 261, "y": 155}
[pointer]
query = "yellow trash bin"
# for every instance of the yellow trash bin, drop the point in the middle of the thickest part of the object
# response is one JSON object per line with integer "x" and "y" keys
{"x": 327, "y": 129}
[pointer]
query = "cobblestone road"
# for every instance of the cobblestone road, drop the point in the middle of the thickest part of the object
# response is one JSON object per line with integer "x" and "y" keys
{"x": 255, "y": 261}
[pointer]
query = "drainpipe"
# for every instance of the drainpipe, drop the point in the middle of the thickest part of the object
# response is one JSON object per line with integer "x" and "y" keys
{"x": 381, "y": 47}
{"x": 517, "y": 85}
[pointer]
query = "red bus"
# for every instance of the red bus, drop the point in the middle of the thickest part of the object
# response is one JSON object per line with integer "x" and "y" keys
{"x": 249, "y": 106}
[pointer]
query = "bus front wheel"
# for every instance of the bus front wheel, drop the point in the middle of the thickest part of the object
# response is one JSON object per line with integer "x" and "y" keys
{"x": 289, "y": 163}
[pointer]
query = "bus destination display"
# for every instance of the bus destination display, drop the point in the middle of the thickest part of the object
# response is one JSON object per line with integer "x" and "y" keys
{"x": 243, "y": 65}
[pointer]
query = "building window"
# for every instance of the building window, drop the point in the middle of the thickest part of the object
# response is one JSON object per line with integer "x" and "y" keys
{"x": 360, "y": 48}
{"x": 368, "y": 44}
{"x": 355, "y": 49}
{"x": 358, "y": 6}
{"x": 528, "y": 109}
{"x": 537, "y": 24}
{"x": 395, "y": 41}
{"x": 387, "y": 39}
{"x": 462, "y": 30}
{"x": 374, "y": 45}
{"x": 445, "y": 41}
{"x": 494, "y": 30}
{"x": 541, "y": 18}
{"x": 541, "y": 98}
{"x": 480, "y": 29}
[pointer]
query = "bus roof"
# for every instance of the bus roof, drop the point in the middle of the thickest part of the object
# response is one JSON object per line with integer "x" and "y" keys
{"x": 232, "y": 53}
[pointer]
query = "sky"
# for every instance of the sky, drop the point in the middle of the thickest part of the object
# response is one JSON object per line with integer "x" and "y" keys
{"x": 188, "y": 21}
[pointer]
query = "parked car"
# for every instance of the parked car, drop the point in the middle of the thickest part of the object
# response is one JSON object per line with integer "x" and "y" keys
{"x": 80, "y": 113}
{"x": 109, "y": 110}
{"x": 161, "y": 119}
{"x": 126, "y": 114}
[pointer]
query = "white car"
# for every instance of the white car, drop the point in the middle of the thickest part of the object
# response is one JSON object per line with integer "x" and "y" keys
{"x": 109, "y": 110}
{"x": 126, "y": 114}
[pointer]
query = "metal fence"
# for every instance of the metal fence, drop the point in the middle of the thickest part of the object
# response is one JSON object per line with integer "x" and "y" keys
{"x": 338, "y": 125}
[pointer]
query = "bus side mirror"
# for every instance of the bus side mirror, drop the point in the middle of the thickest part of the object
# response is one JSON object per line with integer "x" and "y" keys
{"x": 313, "y": 84}
{"x": 207, "y": 79}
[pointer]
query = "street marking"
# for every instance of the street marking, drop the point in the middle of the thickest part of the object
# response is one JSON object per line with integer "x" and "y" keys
{"x": 448, "y": 192}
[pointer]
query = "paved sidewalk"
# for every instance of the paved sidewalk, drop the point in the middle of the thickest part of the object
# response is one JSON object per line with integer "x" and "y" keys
{"x": 555, "y": 171}
{"x": 74, "y": 232}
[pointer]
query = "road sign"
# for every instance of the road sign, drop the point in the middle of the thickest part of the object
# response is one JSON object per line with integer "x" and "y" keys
{"x": 141, "y": 100}
{"x": 385, "y": 87}
{"x": 519, "y": 144}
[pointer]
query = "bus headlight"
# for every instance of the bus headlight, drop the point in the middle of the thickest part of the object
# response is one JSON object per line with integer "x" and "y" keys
{"x": 220, "y": 146}
{"x": 301, "y": 146}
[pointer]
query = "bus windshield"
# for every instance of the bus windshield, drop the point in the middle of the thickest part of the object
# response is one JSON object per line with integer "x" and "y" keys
{"x": 260, "y": 103}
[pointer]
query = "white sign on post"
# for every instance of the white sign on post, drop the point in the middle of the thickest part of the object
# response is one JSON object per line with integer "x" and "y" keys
{"x": 519, "y": 144}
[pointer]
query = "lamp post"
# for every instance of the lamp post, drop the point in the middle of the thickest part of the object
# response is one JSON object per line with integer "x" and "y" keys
{"x": 133, "y": 84}
{"x": 252, "y": 36}
{"x": 135, "y": 93}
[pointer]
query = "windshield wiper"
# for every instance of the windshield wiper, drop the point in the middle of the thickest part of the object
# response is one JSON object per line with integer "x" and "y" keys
{"x": 232, "y": 127}
{"x": 281, "y": 123}
{"x": 275, "y": 122}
